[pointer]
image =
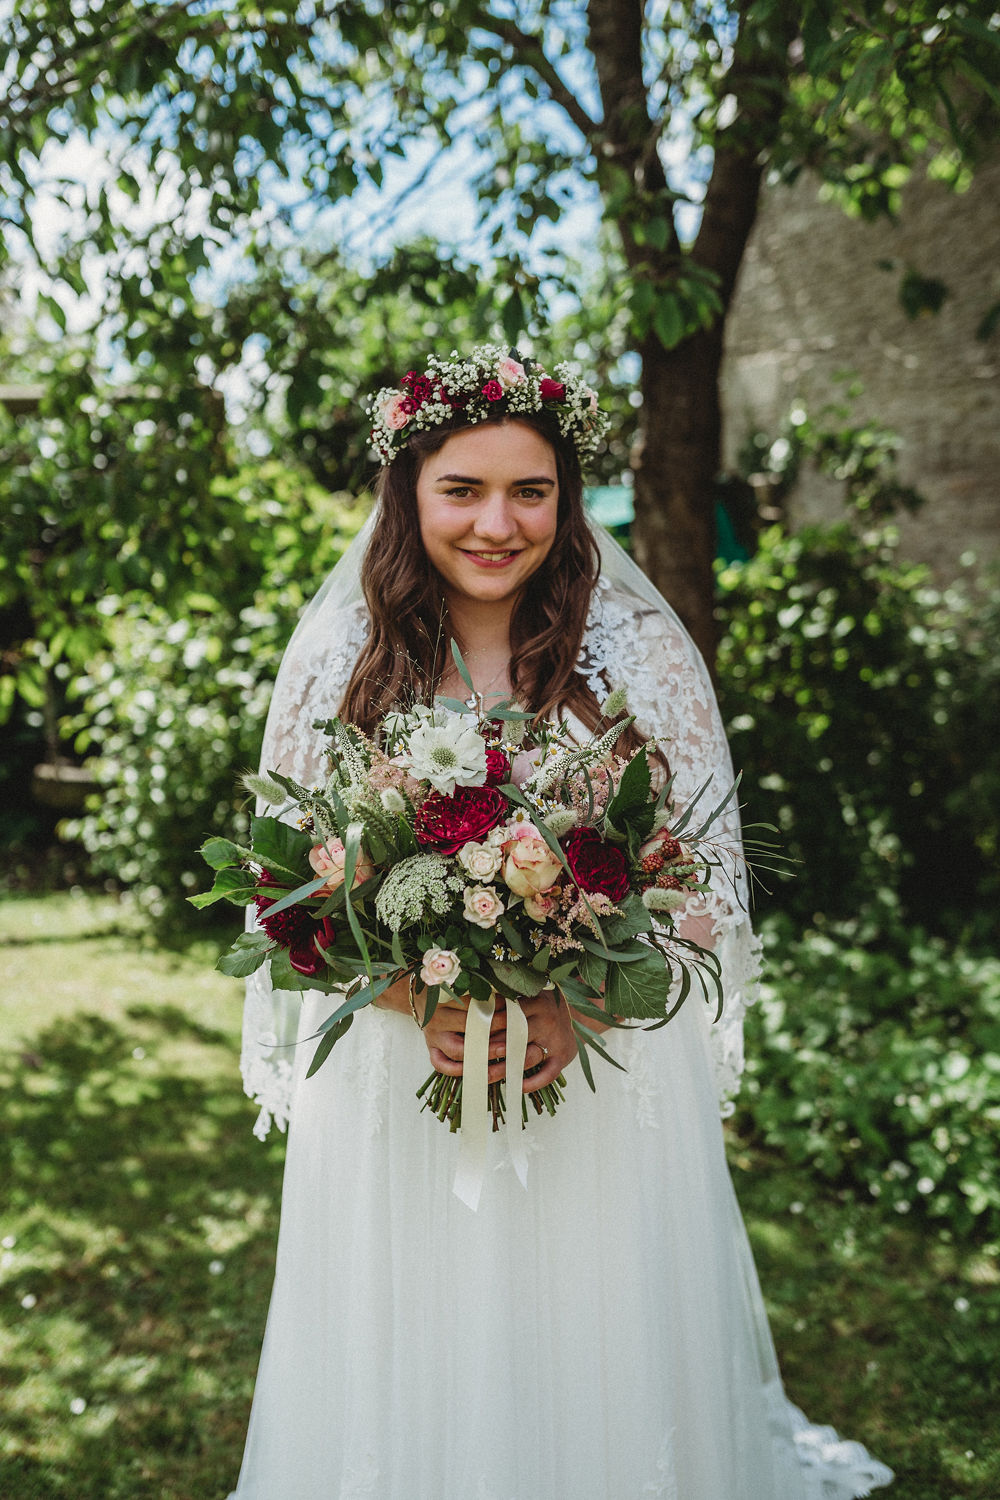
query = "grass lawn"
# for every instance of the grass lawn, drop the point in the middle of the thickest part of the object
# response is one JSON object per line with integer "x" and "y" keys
{"x": 138, "y": 1218}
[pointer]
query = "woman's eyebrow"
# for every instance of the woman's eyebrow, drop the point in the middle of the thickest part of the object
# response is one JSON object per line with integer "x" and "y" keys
{"x": 469, "y": 479}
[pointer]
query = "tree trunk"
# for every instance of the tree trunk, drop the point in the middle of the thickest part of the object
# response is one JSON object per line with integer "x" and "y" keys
{"x": 674, "y": 529}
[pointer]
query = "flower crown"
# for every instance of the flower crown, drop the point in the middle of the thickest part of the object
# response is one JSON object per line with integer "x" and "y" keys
{"x": 490, "y": 379}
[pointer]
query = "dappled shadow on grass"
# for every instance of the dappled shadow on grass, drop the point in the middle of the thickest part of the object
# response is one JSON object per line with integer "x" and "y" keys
{"x": 144, "y": 1215}
{"x": 889, "y": 1334}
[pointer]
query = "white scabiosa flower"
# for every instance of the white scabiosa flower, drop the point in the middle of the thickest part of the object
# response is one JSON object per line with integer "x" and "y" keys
{"x": 447, "y": 755}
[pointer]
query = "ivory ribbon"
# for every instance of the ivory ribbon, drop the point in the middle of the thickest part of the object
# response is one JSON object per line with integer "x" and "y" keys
{"x": 476, "y": 1119}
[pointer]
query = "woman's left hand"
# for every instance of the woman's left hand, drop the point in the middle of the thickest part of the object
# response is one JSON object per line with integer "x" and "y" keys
{"x": 551, "y": 1041}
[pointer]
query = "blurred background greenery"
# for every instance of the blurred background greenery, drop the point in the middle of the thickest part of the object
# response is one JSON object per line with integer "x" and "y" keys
{"x": 219, "y": 229}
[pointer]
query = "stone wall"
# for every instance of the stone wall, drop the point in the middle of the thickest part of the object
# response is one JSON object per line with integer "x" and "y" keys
{"x": 812, "y": 301}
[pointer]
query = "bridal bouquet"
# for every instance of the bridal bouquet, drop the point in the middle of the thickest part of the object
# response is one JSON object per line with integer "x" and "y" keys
{"x": 480, "y": 856}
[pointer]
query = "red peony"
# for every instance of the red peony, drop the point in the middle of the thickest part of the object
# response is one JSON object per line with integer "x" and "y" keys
{"x": 444, "y": 824}
{"x": 296, "y": 929}
{"x": 497, "y": 766}
{"x": 493, "y": 390}
{"x": 598, "y": 868}
{"x": 551, "y": 390}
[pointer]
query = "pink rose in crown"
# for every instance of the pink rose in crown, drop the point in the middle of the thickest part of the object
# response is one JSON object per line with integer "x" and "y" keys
{"x": 393, "y": 411}
{"x": 551, "y": 390}
{"x": 530, "y": 865}
{"x": 510, "y": 372}
{"x": 328, "y": 859}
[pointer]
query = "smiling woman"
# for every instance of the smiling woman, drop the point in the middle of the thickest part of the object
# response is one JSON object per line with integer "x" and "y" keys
{"x": 598, "y": 1332}
{"x": 487, "y": 505}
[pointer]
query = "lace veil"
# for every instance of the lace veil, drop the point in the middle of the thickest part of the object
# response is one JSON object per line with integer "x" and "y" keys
{"x": 633, "y": 639}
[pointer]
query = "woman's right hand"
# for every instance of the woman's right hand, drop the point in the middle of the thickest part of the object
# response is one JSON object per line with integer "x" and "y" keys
{"x": 444, "y": 1033}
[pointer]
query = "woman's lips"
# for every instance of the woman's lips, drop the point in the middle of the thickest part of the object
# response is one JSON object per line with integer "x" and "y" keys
{"x": 497, "y": 559}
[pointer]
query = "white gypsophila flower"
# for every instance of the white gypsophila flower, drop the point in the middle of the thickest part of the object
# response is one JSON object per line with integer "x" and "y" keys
{"x": 392, "y": 800}
{"x": 417, "y": 887}
{"x": 481, "y": 861}
{"x": 447, "y": 755}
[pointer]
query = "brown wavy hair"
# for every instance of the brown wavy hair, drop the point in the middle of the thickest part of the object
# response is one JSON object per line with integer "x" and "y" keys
{"x": 409, "y": 635}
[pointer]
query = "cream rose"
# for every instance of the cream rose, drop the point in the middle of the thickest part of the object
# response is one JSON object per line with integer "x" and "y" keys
{"x": 481, "y": 861}
{"x": 530, "y": 866}
{"x": 483, "y": 907}
{"x": 440, "y": 966}
{"x": 328, "y": 859}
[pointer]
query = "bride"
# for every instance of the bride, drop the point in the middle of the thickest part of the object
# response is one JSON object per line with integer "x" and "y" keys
{"x": 598, "y": 1334}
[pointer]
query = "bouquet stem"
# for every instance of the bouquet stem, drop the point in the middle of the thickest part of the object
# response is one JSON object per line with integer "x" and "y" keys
{"x": 442, "y": 1095}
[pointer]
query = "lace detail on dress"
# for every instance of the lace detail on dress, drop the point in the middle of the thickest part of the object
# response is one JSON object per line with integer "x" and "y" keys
{"x": 630, "y": 644}
{"x": 831, "y": 1467}
{"x": 310, "y": 685}
{"x": 640, "y": 1080}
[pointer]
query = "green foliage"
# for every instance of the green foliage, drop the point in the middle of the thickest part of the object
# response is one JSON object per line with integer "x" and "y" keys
{"x": 176, "y": 707}
{"x": 862, "y": 706}
{"x": 859, "y": 453}
{"x": 874, "y": 1058}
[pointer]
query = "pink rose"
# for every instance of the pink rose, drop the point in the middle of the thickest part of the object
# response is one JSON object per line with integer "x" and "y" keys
{"x": 328, "y": 859}
{"x": 482, "y": 906}
{"x": 510, "y": 372}
{"x": 530, "y": 866}
{"x": 440, "y": 966}
{"x": 543, "y": 905}
{"x": 551, "y": 390}
{"x": 393, "y": 411}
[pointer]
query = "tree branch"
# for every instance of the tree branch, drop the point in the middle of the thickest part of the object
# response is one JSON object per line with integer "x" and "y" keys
{"x": 530, "y": 52}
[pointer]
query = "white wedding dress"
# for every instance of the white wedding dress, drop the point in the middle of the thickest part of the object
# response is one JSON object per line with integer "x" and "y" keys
{"x": 599, "y": 1335}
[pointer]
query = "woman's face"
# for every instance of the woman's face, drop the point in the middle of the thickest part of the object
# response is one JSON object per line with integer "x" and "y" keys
{"x": 487, "y": 502}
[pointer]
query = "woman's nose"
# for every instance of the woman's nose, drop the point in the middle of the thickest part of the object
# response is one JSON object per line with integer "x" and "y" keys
{"x": 495, "y": 520}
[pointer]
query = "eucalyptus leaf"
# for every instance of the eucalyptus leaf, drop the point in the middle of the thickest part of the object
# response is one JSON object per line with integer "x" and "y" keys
{"x": 327, "y": 1044}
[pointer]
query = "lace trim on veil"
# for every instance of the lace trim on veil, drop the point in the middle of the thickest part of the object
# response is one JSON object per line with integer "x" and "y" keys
{"x": 628, "y": 641}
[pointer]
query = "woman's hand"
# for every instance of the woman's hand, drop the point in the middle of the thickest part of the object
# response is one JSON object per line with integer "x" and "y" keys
{"x": 551, "y": 1039}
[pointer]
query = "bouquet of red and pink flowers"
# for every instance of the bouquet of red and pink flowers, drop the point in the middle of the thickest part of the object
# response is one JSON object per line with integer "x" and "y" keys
{"x": 480, "y": 855}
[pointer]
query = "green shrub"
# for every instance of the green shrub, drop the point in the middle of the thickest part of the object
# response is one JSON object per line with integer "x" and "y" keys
{"x": 878, "y": 1065}
{"x": 862, "y": 706}
{"x": 176, "y": 710}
